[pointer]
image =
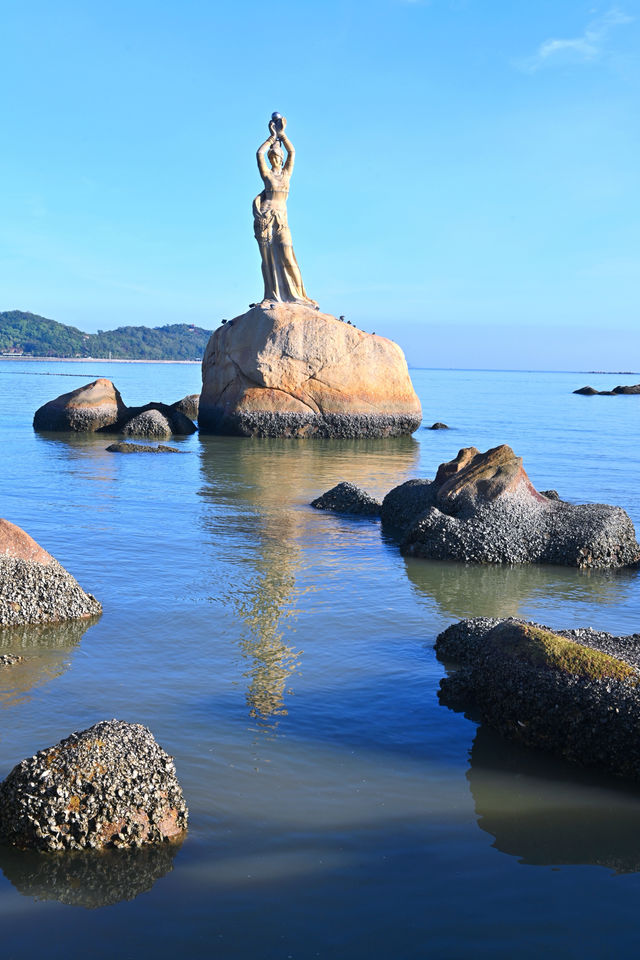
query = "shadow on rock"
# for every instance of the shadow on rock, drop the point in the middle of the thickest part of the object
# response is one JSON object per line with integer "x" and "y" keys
{"x": 546, "y": 813}
{"x": 46, "y": 651}
{"x": 89, "y": 878}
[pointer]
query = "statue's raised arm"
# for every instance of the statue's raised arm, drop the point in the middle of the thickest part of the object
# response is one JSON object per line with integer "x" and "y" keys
{"x": 280, "y": 270}
{"x": 267, "y": 145}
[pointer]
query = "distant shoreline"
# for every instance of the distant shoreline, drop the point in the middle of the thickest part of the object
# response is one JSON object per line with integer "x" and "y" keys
{"x": 93, "y": 360}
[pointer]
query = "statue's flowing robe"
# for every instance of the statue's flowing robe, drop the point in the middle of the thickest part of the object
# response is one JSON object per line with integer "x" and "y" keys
{"x": 272, "y": 233}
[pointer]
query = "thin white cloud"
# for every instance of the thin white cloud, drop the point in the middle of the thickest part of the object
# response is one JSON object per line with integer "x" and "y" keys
{"x": 590, "y": 47}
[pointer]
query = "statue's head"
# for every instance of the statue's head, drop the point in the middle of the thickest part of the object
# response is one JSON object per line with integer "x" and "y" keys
{"x": 276, "y": 156}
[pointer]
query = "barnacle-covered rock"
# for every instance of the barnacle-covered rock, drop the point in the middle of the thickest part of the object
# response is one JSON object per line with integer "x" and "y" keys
{"x": 109, "y": 786}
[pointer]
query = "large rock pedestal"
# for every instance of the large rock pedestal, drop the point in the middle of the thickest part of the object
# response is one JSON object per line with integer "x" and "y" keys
{"x": 287, "y": 370}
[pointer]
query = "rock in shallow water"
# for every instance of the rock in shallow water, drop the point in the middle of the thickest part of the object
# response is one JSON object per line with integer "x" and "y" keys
{"x": 34, "y": 587}
{"x": 288, "y": 370}
{"x": 157, "y": 420}
{"x": 573, "y": 693}
{"x": 110, "y": 785}
{"x": 188, "y": 406}
{"x": 628, "y": 389}
{"x": 124, "y": 447}
{"x": 96, "y": 406}
{"x": 151, "y": 424}
{"x": 347, "y": 498}
{"x": 483, "y": 508}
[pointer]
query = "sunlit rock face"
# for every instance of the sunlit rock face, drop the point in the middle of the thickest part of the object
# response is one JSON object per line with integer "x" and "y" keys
{"x": 287, "y": 370}
{"x": 483, "y": 508}
{"x": 34, "y": 587}
{"x": 109, "y": 786}
{"x": 98, "y": 408}
{"x": 93, "y": 407}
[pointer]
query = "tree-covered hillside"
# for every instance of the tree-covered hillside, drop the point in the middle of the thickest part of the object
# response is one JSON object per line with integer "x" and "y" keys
{"x": 36, "y": 336}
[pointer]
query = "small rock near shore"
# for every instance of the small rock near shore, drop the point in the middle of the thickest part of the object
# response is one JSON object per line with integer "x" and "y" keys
{"x": 111, "y": 785}
{"x": 347, "y": 498}
{"x": 151, "y": 424}
{"x": 188, "y": 406}
{"x": 34, "y": 587}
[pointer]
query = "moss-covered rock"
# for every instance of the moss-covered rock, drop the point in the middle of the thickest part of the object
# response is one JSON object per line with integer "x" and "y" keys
{"x": 542, "y": 649}
{"x": 575, "y": 694}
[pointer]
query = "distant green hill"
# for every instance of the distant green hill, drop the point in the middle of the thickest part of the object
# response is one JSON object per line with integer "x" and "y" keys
{"x": 33, "y": 336}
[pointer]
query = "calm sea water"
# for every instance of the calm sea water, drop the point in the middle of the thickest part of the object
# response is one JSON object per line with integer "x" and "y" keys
{"x": 285, "y": 658}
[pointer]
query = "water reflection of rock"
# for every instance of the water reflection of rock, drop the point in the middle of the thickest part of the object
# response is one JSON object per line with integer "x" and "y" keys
{"x": 264, "y": 488}
{"x": 547, "y": 813}
{"x": 497, "y": 590}
{"x": 46, "y": 650}
{"x": 88, "y": 878}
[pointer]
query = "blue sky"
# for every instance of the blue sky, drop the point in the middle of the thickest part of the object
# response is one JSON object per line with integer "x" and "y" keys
{"x": 467, "y": 173}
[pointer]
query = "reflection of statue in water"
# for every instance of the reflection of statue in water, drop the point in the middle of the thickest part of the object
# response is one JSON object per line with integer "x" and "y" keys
{"x": 264, "y": 610}
{"x": 266, "y": 590}
{"x": 280, "y": 270}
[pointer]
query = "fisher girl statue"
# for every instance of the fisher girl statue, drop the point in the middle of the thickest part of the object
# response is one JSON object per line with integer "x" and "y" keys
{"x": 280, "y": 270}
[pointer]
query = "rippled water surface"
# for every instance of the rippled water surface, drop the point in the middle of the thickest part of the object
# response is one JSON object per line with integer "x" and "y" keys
{"x": 284, "y": 656}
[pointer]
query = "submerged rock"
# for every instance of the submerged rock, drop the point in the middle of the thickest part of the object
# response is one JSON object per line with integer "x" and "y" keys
{"x": 9, "y": 659}
{"x": 95, "y": 406}
{"x": 573, "y": 693}
{"x": 111, "y": 785}
{"x": 288, "y": 370}
{"x": 347, "y": 498}
{"x": 551, "y": 815}
{"x": 34, "y": 587}
{"x": 124, "y": 447}
{"x": 483, "y": 508}
{"x": 438, "y": 426}
{"x": 587, "y": 391}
